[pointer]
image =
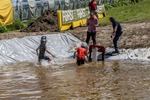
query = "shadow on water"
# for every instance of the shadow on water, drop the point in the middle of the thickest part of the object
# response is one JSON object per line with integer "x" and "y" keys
{"x": 104, "y": 80}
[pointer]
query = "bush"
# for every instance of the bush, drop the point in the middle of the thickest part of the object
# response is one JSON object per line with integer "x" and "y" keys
{"x": 115, "y": 4}
{"x": 30, "y": 21}
{"x": 18, "y": 25}
{"x": 3, "y": 29}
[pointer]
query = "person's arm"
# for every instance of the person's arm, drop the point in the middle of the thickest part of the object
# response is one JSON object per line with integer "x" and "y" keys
{"x": 50, "y": 53}
{"x": 87, "y": 22}
{"x": 114, "y": 29}
{"x": 113, "y": 33}
{"x": 86, "y": 53}
{"x": 74, "y": 55}
{"x": 37, "y": 51}
{"x": 96, "y": 23}
{"x": 89, "y": 6}
{"x": 96, "y": 5}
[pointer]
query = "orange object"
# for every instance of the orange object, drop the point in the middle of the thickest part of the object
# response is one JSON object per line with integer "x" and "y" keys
{"x": 81, "y": 52}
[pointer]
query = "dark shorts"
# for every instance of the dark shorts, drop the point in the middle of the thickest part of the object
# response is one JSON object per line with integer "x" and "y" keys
{"x": 44, "y": 57}
{"x": 94, "y": 11}
{"x": 80, "y": 62}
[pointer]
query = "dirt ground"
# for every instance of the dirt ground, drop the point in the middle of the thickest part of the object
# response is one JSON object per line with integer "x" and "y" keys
{"x": 48, "y": 21}
{"x": 135, "y": 35}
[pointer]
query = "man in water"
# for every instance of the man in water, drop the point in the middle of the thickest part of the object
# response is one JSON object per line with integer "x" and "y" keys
{"x": 41, "y": 51}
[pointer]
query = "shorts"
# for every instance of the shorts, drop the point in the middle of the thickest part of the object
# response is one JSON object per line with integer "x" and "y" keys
{"x": 80, "y": 62}
{"x": 94, "y": 11}
{"x": 44, "y": 57}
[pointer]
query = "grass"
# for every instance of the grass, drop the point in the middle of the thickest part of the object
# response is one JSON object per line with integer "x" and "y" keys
{"x": 128, "y": 13}
{"x": 17, "y": 25}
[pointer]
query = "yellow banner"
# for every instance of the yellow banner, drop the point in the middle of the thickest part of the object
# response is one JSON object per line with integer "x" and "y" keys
{"x": 74, "y": 18}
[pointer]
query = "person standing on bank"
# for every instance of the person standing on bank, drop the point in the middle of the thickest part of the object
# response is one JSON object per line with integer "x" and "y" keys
{"x": 117, "y": 32}
{"x": 93, "y": 7}
{"x": 92, "y": 23}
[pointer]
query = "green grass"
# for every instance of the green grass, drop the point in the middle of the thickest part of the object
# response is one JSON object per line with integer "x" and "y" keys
{"x": 17, "y": 25}
{"x": 128, "y": 13}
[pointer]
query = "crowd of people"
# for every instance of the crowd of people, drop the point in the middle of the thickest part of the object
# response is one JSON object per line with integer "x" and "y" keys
{"x": 82, "y": 51}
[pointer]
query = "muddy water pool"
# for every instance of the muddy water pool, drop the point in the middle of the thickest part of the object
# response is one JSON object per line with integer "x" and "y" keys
{"x": 109, "y": 80}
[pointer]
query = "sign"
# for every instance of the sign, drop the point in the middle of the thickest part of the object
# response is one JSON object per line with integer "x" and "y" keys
{"x": 78, "y": 14}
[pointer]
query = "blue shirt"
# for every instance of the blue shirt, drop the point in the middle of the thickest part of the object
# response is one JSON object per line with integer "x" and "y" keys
{"x": 117, "y": 24}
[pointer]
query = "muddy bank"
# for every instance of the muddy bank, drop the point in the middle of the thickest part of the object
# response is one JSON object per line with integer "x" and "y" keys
{"x": 135, "y": 35}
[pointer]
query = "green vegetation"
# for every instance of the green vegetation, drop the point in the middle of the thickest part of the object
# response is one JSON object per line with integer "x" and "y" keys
{"x": 126, "y": 12}
{"x": 17, "y": 25}
{"x": 3, "y": 29}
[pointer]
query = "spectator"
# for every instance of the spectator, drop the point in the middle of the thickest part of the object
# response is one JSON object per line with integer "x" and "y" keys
{"x": 92, "y": 23}
{"x": 93, "y": 7}
{"x": 117, "y": 32}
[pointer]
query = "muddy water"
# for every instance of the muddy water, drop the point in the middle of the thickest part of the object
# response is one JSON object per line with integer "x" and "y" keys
{"x": 111, "y": 80}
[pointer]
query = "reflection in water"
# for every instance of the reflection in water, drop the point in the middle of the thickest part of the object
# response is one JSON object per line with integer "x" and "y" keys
{"x": 111, "y": 80}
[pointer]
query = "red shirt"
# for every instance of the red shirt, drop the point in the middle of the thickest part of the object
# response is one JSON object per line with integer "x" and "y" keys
{"x": 93, "y": 5}
{"x": 81, "y": 52}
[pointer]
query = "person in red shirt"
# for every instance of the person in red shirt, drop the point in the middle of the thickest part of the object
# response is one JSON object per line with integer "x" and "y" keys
{"x": 81, "y": 53}
{"x": 93, "y": 7}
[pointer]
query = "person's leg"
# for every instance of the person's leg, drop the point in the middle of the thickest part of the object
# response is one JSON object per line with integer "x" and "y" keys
{"x": 88, "y": 37}
{"x": 82, "y": 62}
{"x": 94, "y": 38}
{"x": 115, "y": 42}
{"x": 47, "y": 58}
{"x": 40, "y": 59}
{"x": 78, "y": 62}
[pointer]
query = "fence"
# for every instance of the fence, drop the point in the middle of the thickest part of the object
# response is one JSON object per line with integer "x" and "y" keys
{"x": 26, "y": 9}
